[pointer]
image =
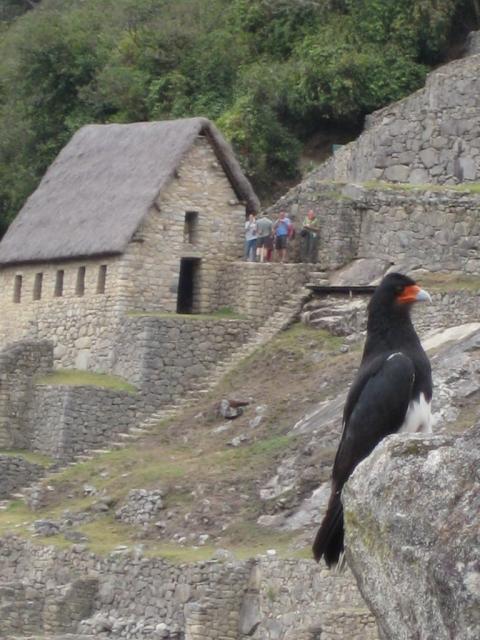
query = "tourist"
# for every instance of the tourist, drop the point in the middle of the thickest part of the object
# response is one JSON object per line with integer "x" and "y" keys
{"x": 251, "y": 238}
{"x": 264, "y": 236}
{"x": 309, "y": 238}
{"x": 283, "y": 229}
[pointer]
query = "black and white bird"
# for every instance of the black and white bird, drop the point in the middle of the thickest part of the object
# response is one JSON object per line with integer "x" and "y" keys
{"x": 391, "y": 394}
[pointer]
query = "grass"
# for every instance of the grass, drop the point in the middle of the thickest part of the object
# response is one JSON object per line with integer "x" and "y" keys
{"x": 224, "y": 313}
{"x": 126, "y": 469}
{"x": 470, "y": 187}
{"x": 29, "y": 456}
{"x": 75, "y": 377}
{"x": 444, "y": 282}
{"x": 195, "y": 464}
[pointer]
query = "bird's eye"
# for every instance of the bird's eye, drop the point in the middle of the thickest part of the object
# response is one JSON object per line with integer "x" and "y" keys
{"x": 399, "y": 288}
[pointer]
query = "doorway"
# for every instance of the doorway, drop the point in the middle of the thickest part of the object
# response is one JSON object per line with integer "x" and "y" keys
{"x": 186, "y": 284}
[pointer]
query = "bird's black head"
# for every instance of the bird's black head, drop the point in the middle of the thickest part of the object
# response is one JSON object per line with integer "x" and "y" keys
{"x": 397, "y": 292}
{"x": 389, "y": 325}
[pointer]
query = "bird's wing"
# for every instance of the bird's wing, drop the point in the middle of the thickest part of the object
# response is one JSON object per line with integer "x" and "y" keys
{"x": 376, "y": 407}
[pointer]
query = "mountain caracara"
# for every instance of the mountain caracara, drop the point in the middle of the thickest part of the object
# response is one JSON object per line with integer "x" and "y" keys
{"x": 391, "y": 394}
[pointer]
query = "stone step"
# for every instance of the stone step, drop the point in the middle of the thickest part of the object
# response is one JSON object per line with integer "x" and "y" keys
{"x": 119, "y": 445}
{"x": 126, "y": 436}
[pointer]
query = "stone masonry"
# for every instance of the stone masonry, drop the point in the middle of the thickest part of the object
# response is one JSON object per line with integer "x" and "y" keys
{"x": 163, "y": 356}
{"x": 78, "y": 304}
{"x": 256, "y": 290}
{"x": 19, "y": 364}
{"x": 428, "y": 137}
{"x": 16, "y": 472}
{"x": 437, "y": 229}
{"x": 264, "y": 598}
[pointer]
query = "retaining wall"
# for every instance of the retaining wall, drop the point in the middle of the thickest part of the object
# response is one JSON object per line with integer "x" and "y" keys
{"x": 437, "y": 229}
{"x": 19, "y": 364}
{"x": 165, "y": 356}
{"x": 16, "y": 472}
{"x": 66, "y": 420}
{"x": 429, "y": 137}
{"x": 257, "y": 290}
{"x": 264, "y": 599}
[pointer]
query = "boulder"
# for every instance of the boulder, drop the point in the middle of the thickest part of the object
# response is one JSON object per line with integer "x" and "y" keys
{"x": 413, "y": 535}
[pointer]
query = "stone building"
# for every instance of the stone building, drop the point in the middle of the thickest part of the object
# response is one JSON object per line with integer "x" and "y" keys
{"x": 128, "y": 218}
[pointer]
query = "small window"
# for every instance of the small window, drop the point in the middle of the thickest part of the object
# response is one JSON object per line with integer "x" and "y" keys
{"x": 190, "y": 229}
{"x": 17, "y": 289}
{"x": 59, "y": 283}
{"x": 37, "y": 286}
{"x": 102, "y": 278}
{"x": 80, "y": 286}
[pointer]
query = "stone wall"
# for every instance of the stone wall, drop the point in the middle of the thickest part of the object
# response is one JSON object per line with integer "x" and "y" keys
{"x": 80, "y": 318}
{"x": 428, "y": 137}
{"x": 76, "y": 318}
{"x": 19, "y": 364}
{"x": 66, "y": 420}
{"x": 257, "y": 290}
{"x": 265, "y": 599}
{"x": 16, "y": 472}
{"x": 338, "y": 213}
{"x": 437, "y": 229}
{"x": 164, "y": 356}
{"x": 151, "y": 264}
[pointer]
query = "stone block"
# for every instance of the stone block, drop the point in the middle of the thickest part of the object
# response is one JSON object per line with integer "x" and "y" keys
{"x": 397, "y": 173}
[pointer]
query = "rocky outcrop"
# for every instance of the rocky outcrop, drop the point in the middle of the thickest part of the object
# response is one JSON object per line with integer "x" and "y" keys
{"x": 413, "y": 537}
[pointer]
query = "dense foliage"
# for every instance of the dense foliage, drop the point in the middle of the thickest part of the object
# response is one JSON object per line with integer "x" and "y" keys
{"x": 269, "y": 72}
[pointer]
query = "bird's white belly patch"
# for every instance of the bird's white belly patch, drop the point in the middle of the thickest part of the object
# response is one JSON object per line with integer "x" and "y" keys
{"x": 418, "y": 417}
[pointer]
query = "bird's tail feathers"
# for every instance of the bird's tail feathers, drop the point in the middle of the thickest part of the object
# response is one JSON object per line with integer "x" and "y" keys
{"x": 329, "y": 539}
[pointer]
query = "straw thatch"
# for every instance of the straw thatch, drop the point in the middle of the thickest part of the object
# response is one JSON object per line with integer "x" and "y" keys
{"x": 102, "y": 184}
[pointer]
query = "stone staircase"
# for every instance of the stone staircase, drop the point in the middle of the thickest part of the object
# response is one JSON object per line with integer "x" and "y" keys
{"x": 280, "y": 320}
{"x": 318, "y": 279}
{"x": 285, "y": 315}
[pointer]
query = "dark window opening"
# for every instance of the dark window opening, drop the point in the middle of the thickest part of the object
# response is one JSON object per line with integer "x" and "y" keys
{"x": 186, "y": 284}
{"x": 17, "y": 289}
{"x": 59, "y": 283}
{"x": 190, "y": 230}
{"x": 80, "y": 286}
{"x": 37, "y": 286}
{"x": 102, "y": 278}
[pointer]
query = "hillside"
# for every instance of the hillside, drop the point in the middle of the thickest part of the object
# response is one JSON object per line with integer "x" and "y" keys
{"x": 277, "y": 77}
{"x": 248, "y": 484}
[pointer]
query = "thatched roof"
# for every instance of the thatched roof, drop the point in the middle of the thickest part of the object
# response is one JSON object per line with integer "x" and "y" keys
{"x": 102, "y": 184}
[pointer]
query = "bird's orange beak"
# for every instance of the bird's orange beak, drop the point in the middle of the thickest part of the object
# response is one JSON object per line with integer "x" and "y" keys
{"x": 413, "y": 293}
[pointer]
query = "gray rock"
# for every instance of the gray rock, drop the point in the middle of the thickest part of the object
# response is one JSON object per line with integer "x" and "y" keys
{"x": 473, "y": 44}
{"x": 229, "y": 410}
{"x": 360, "y": 271}
{"x": 397, "y": 173}
{"x": 46, "y": 528}
{"x": 412, "y": 535}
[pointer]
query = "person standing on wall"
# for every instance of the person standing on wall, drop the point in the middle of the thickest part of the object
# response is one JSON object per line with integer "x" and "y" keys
{"x": 283, "y": 230}
{"x": 251, "y": 238}
{"x": 309, "y": 234}
{"x": 264, "y": 236}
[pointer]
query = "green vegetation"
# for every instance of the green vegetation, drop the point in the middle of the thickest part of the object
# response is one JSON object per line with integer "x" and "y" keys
{"x": 74, "y": 377}
{"x": 444, "y": 282}
{"x": 469, "y": 187}
{"x": 269, "y": 72}
{"x": 29, "y": 456}
{"x": 225, "y": 313}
